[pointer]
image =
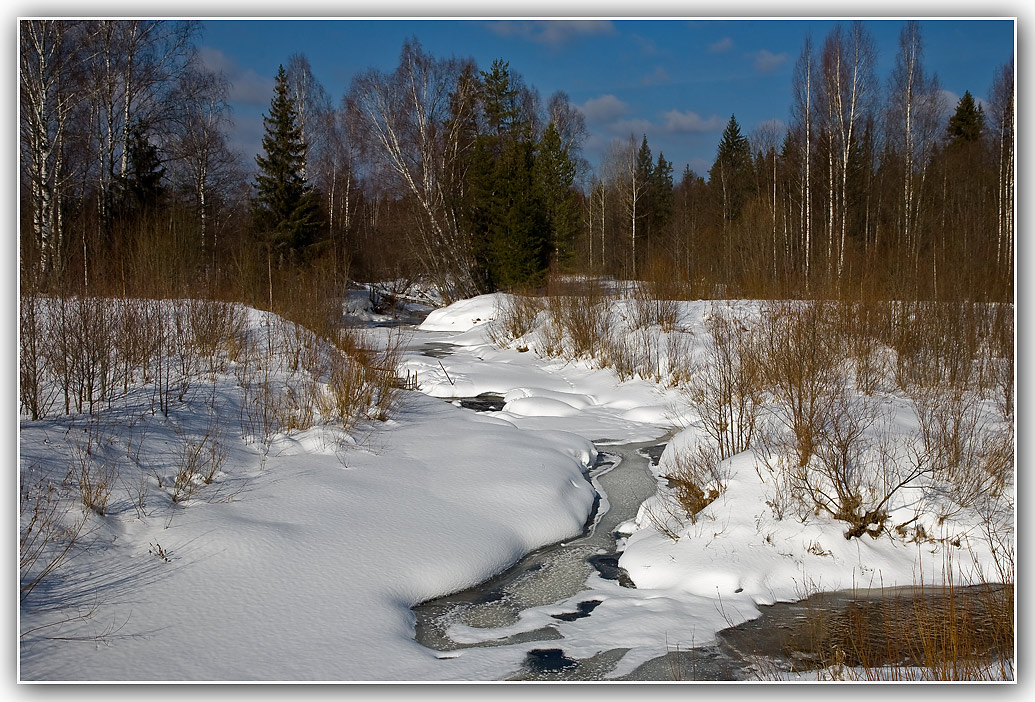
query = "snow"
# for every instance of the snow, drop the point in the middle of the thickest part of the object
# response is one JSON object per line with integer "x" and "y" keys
{"x": 302, "y": 560}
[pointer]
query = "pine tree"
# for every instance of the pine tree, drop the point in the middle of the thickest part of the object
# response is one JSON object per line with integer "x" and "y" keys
{"x": 520, "y": 231}
{"x": 286, "y": 208}
{"x": 499, "y": 100}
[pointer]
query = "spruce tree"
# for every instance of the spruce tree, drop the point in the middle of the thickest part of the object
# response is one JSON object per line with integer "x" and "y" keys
{"x": 509, "y": 228}
{"x": 285, "y": 208}
{"x": 140, "y": 188}
{"x": 555, "y": 179}
{"x": 968, "y": 122}
{"x": 730, "y": 175}
{"x": 662, "y": 199}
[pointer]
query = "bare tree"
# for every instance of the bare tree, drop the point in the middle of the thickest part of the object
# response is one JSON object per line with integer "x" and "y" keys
{"x": 129, "y": 68}
{"x": 1002, "y": 113}
{"x": 914, "y": 112}
{"x": 623, "y": 178}
{"x": 131, "y": 63}
{"x": 406, "y": 117}
{"x": 48, "y": 65}
{"x": 803, "y": 111}
{"x": 200, "y": 157}
{"x": 848, "y": 90}
{"x": 571, "y": 125}
{"x": 766, "y": 139}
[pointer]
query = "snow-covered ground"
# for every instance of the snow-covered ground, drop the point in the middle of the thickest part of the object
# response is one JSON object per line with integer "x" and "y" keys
{"x": 302, "y": 562}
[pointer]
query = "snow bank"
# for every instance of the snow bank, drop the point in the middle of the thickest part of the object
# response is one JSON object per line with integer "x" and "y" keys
{"x": 302, "y": 563}
{"x": 299, "y": 562}
{"x": 461, "y": 316}
{"x": 738, "y": 548}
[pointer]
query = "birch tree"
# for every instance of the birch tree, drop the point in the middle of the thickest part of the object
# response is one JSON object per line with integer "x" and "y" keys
{"x": 914, "y": 112}
{"x": 130, "y": 66}
{"x": 201, "y": 160}
{"x": 48, "y": 77}
{"x": 802, "y": 115}
{"x": 848, "y": 92}
{"x": 627, "y": 182}
{"x": 1002, "y": 115}
{"x": 405, "y": 116}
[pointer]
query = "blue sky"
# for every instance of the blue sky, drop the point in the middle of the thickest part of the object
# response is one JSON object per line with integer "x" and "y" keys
{"x": 675, "y": 80}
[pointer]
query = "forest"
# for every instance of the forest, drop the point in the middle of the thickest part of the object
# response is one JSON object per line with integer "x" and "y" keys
{"x": 465, "y": 177}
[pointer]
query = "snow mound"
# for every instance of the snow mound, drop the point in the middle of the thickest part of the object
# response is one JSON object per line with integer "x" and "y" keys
{"x": 461, "y": 316}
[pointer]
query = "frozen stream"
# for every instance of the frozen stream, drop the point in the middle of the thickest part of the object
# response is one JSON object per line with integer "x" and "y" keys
{"x": 529, "y": 608}
{"x": 552, "y": 575}
{"x": 567, "y": 611}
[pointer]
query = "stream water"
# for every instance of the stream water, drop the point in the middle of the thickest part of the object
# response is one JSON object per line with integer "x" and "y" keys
{"x": 553, "y": 573}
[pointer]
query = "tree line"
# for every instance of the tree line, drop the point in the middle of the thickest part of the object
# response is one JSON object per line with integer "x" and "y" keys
{"x": 467, "y": 178}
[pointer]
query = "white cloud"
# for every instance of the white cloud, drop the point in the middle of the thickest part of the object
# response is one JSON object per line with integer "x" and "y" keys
{"x": 636, "y": 127}
{"x": 720, "y": 46}
{"x": 603, "y": 109}
{"x": 767, "y": 62}
{"x": 246, "y": 86}
{"x": 659, "y": 76}
{"x": 553, "y": 33}
{"x": 688, "y": 122}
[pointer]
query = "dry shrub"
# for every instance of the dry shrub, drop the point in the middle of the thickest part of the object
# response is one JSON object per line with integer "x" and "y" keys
{"x": 1002, "y": 380}
{"x": 260, "y": 397}
{"x": 972, "y": 459}
{"x": 515, "y": 317}
{"x": 350, "y": 393}
{"x": 47, "y": 535}
{"x": 947, "y": 632}
{"x": 856, "y": 467}
{"x": 383, "y": 377}
{"x": 782, "y": 491}
{"x": 863, "y": 331}
{"x": 312, "y": 297}
{"x": 92, "y": 475}
{"x": 679, "y": 356}
{"x": 656, "y": 297}
{"x": 633, "y": 354}
{"x": 216, "y": 329}
{"x": 938, "y": 343}
{"x": 726, "y": 390}
{"x": 849, "y": 479}
{"x": 201, "y": 457}
{"x": 801, "y": 362}
{"x": 36, "y": 395}
{"x": 999, "y": 349}
{"x": 580, "y": 311}
{"x": 697, "y": 477}
{"x": 81, "y": 356}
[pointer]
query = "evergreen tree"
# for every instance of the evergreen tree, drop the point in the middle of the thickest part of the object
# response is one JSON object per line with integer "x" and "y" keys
{"x": 140, "y": 188}
{"x": 499, "y": 101}
{"x": 968, "y": 122}
{"x": 509, "y": 226}
{"x": 520, "y": 232}
{"x": 661, "y": 194}
{"x": 285, "y": 208}
{"x": 730, "y": 175}
{"x": 555, "y": 178}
